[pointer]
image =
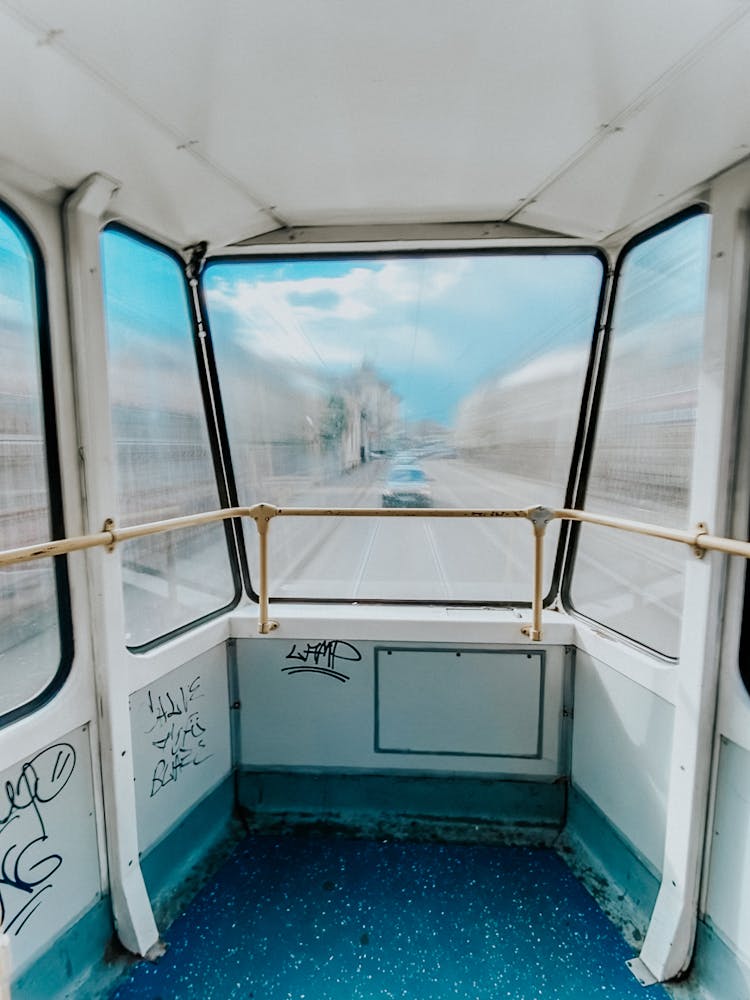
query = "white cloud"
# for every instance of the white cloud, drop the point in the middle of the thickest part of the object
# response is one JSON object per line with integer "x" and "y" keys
{"x": 340, "y": 318}
{"x": 567, "y": 361}
{"x": 423, "y": 280}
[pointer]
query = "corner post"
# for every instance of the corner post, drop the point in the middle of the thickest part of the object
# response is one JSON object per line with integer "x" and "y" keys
{"x": 131, "y": 907}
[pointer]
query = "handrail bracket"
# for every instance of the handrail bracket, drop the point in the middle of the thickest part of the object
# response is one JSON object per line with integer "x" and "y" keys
{"x": 109, "y": 528}
{"x": 701, "y": 528}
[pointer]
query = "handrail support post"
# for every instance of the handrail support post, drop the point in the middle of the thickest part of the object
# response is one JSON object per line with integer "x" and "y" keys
{"x": 262, "y": 514}
{"x": 540, "y": 517}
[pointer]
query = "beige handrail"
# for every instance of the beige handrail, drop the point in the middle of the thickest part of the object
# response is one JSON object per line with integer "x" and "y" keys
{"x": 698, "y": 539}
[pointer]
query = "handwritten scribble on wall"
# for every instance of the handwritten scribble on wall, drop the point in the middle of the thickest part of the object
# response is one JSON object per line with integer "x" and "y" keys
{"x": 176, "y": 732}
{"x": 29, "y": 856}
{"x": 322, "y": 658}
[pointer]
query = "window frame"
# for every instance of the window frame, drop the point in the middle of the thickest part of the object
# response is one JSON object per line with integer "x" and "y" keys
{"x": 53, "y": 468}
{"x": 230, "y": 530}
{"x": 264, "y": 255}
{"x": 743, "y": 646}
{"x": 589, "y": 445}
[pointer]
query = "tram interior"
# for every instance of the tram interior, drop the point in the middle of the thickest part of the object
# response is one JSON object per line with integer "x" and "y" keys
{"x": 447, "y": 304}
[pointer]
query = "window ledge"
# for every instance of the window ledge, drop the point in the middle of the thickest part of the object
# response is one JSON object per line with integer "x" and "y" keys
{"x": 406, "y": 623}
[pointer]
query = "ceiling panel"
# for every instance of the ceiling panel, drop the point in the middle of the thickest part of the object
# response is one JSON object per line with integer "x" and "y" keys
{"x": 63, "y": 125}
{"x": 341, "y": 111}
{"x": 688, "y": 133}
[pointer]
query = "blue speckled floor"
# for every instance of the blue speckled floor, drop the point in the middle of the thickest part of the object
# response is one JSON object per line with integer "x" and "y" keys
{"x": 298, "y": 919}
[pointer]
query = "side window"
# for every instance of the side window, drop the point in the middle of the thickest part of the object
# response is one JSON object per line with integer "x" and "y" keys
{"x": 164, "y": 462}
{"x": 643, "y": 450}
{"x": 35, "y": 629}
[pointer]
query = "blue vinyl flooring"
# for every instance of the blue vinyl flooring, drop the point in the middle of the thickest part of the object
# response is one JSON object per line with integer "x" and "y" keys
{"x": 313, "y": 919}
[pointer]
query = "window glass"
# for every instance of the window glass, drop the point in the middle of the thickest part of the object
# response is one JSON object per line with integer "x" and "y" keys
{"x": 164, "y": 462}
{"x": 643, "y": 453}
{"x": 30, "y": 643}
{"x": 433, "y": 380}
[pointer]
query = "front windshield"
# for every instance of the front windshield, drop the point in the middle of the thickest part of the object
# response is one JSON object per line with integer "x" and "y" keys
{"x": 466, "y": 368}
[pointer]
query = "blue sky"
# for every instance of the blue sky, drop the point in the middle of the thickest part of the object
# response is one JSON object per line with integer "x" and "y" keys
{"x": 433, "y": 327}
{"x": 17, "y": 306}
{"x": 144, "y": 289}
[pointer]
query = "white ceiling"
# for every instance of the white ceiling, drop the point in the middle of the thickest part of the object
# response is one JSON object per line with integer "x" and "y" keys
{"x": 228, "y": 119}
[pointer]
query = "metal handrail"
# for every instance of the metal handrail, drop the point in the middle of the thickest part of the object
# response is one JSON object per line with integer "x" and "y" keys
{"x": 263, "y": 513}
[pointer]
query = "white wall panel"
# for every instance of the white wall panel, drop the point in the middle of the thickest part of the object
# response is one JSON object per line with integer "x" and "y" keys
{"x": 310, "y": 703}
{"x": 728, "y": 901}
{"x": 50, "y": 860}
{"x": 181, "y": 742}
{"x": 622, "y": 743}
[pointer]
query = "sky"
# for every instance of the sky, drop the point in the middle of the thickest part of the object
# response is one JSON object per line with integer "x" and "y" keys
{"x": 17, "y": 309}
{"x": 19, "y": 347}
{"x": 433, "y": 326}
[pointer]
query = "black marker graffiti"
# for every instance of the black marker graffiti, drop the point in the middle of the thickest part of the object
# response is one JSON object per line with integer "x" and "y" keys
{"x": 27, "y": 864}
{"x": 177, "y": 732}
{"x": 169, "y": 706}
{"x": 321, "y": 657}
